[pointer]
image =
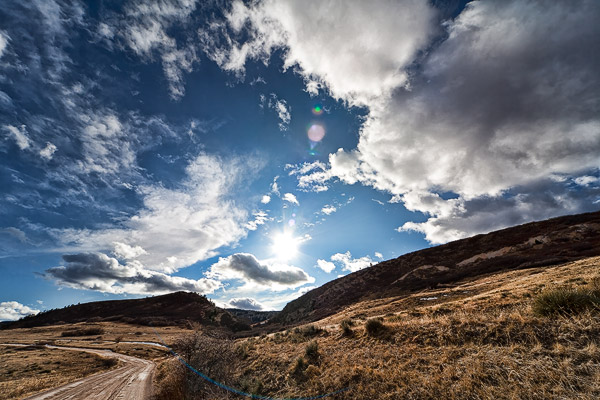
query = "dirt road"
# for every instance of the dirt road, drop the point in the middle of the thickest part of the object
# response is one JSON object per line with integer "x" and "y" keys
{"x": 131, "y": 381}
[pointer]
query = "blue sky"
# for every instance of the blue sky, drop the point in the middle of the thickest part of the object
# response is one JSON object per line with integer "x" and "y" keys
{"x": 254, "y": 150}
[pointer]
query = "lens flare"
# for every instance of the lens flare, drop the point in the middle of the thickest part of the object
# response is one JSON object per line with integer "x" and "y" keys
{"x": 316, "y": 133}
{"x": 317, "y": 110}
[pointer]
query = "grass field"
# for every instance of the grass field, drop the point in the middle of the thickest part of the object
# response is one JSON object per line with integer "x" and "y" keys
{"x": 26, "y": 370}
{"x": 479, "y": 339}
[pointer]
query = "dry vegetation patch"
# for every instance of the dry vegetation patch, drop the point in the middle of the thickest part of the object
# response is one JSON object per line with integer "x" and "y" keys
{"x": 26, "y": 370}
{"x": 478, "y": 339}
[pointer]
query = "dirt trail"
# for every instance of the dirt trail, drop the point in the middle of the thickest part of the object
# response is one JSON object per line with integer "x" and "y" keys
{"x": 131, "y": 381}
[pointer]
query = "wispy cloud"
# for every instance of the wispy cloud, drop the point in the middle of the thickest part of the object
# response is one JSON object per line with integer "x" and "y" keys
{"x": 179, "y": 226}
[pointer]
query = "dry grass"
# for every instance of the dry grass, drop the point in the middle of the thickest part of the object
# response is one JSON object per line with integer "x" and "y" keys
{"x": 477, "y": 340}
{"x": 26, "y": 370}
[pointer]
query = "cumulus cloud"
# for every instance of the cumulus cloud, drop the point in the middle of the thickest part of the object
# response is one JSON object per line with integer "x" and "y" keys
{"x": 290, "y": 198}
{"x": 352, "y": 264}
{"x": 19, "y": 135}
{"x": 507, "y": 100}
{"x": 356, "y": 50}
{"x": 97, "y": 271}
{"x": 266, "y": 199}
{"x": 127, "y": 252}
{"x": 12, "y": 311}
{"x": 378, "y": 255}
{"x": 246, "y": 304}
{"x": 247, "y": 268}
{"x": 176, "y": 226}
{"x": 326, "y": 266}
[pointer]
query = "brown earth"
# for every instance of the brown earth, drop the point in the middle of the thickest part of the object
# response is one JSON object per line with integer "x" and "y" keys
{"x": 537, "y": 244}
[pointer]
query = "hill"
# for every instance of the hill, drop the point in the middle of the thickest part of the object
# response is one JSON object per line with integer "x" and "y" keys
{"x": 546, "y": 243}
{"x": 180, "y": 308}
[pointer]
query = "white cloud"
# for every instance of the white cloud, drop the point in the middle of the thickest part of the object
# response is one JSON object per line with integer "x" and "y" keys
{"x": 352, "y": 264}
{"x": 246, "y": 303}
{"x": 12, "y": 311}
{"x": 96, "y": 271}
{"x": 378, "y": 255}
{"x": 355, "y": 49}
{"x": 145, "y": 29}
{"x": 586, "y": 180}
{"x": 328, "y": 209}
{"x": 48, "y": 151}
{"x": 4, "y": 38}
{"x": 326, "y": 266}
{"x": 260, "y": 218}
{"x": 290, "y": 198}
{"x": 176, "y": 226}
{"x": 283, "y": 111}
{"x": 266, "y": 199}
{"x": 127, "y": 252}
{"x": 312, "y": 177}
{"x": 254, "y": 273}
{"x": 507, "y": 101}
{"x": 19, "y": 135}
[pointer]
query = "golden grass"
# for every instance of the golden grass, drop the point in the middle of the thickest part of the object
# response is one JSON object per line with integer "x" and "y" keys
{"x": 24, "y": 371}
{"x": 477, "y": 340}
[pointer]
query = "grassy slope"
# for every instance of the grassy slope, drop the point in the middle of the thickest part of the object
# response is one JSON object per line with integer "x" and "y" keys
{"x": 544, "y": 243}
{"x": 477, "y": 339}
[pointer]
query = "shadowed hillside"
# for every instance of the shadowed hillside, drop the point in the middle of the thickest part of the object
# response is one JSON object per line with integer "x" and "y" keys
{"x": 535, "y": 244}
{"x": 171, "y": 309}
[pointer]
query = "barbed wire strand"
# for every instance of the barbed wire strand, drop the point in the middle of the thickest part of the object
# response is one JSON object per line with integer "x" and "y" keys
{"x": 234, "y": 390}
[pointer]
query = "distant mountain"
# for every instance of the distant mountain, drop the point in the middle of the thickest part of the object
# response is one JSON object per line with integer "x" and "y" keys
{"x": 253, "y": 316}
{"x": 180, "y": 308}
{"x": 535, "y": 244}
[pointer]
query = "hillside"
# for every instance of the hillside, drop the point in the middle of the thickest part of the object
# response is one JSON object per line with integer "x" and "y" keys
{"x": 483, "y": 338}
{"x": 180, "y": 308}
{"x": 535, "y": 244}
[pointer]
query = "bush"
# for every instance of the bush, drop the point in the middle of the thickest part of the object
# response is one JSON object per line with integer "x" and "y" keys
{"x": 312, "y": 352}
{"x": 346, "y": 326}
{"x": 565, "y": 301}
{"x": 83, "y": 332}
{"x": 374, "y": 327}
{"x": 299, "y": 367}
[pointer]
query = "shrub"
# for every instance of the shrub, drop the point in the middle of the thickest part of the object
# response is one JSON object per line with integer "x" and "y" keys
{"x": 310, "y": 330}
{"x": 565, "y": 301}
{"x": 346, "y": 326}
{"x": 312, "y": 352}
{"x": 83, "y": 332}
{"x": 374, "y": 327}
{"x": 299, "y": 367}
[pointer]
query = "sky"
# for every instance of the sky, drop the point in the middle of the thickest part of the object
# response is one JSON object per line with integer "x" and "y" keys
{"x": 252, "y": 151}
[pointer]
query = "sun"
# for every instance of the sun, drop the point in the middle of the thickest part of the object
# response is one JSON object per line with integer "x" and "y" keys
{"x": 285, "y": 246}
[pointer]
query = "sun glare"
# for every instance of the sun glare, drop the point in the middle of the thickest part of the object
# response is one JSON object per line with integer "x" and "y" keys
{"x": 285, "y": 246}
